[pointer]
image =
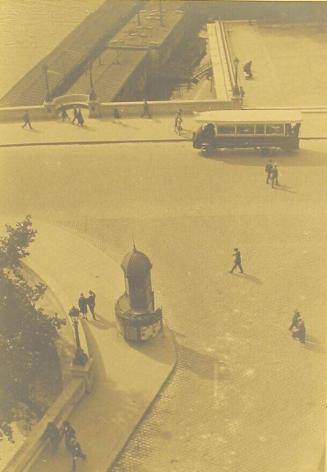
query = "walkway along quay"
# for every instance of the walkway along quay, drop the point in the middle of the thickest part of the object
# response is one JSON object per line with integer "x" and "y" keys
{"x": 76, "y": 50}
{"x": 109, "y": 406}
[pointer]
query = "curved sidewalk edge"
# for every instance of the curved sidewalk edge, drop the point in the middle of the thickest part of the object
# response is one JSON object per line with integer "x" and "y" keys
{"x": 127, "y": 378}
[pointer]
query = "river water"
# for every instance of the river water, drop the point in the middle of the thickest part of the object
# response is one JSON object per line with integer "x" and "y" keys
{"x": 30, "y": 29}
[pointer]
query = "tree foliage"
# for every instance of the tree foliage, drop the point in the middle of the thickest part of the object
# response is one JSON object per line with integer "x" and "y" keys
{"x": 27, "y": 337}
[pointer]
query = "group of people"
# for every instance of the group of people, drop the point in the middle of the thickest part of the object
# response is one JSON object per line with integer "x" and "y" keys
{"x": 77, "y": 116}
{"x": 85, "y": 304}
{"x": 53, "y": 434}
{"x": 271, "y": 173}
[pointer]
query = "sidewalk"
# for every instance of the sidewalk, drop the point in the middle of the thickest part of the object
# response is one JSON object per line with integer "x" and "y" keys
{"x": 125, "y": 130}
{"x": 135, "y": 129}
{"x": 127, "y": 378}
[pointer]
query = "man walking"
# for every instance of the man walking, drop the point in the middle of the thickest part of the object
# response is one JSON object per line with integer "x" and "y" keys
{"x": 69, "y": 434}
{"x": 82, "y": 303}
{"x": 27, "y": 120}
{"x": 91, "y": 303}
{"x": 178, "y": 122}
{"x": 237, "y": 261}
{"x": 295, "y": 320}
{"x": 80, "y": 118}
{"x": 268, "y": 169}
{"x": 274, "y": 176}
{"x": 75, "y": 115}
{"x": 298, "y": 331}
{"x": 146, "y": 111}
{"x": 73, "y": 313}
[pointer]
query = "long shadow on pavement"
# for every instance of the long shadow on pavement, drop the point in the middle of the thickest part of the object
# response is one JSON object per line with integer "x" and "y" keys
{"x": 249, "y": 277}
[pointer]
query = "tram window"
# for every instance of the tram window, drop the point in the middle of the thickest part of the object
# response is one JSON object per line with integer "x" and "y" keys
{"x": 275, "y": 129}
{"x": 226, "y": 129}
{"x": 245, "y": 129}
{"x": 259, "y": 129}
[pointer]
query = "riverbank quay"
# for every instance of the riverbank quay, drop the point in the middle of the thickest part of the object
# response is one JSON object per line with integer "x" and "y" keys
{"x": 159, "y": 128}
{"x": 127, "y": 377}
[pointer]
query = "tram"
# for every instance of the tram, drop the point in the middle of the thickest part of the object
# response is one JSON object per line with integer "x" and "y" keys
{"x": 263, "y": 130}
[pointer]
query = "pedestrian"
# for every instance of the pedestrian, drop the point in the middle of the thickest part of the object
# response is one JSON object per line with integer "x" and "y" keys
{"x": 27, "y": 120}
{"x": 75, "y": 115}
{"x": 268, "y": 169}
{"x": 76, "y": 453}
{"x": 91, "y": 303}
{"x": 52, "y": 434}
{"x": 295, "y": 320}
{"x": 247, "y": 68}
{"x": 242, "y": 93}
{"x": 69, "y": 433}
{"x": 74, "y": 312}
{"x": 146, "y": 111}
{"x": 237, "y": 261}
{"x": 64, "y": 115}
{"x": 299, "y": 331}
{"x": 178, "y": 122}
{"x": 7, "y": 431}
{"x": 58, "y": 322}
{"x": 80, "y": 119}
{"x": 274, "y": 175}
{"x": 82, "y": 303}
{"x": 116, "y": 114}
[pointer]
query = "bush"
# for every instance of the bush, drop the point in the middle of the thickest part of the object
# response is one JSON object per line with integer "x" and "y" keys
{"x": 27, "y": 336}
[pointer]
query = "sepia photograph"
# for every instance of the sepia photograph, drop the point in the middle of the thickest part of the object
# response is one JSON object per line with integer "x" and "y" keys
{"x": 163, "y": 259}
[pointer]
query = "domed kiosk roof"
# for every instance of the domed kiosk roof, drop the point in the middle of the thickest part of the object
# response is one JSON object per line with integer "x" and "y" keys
{"x": 136, "y": 264}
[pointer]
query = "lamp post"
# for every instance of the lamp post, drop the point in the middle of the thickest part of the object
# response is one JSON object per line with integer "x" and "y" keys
{"x": 46, "y": 79}
{"x": 80, "y": 356}
{"x": 160, "y": 13}
{"x": 93, "y": 95}
{"x": 236, "y": 87}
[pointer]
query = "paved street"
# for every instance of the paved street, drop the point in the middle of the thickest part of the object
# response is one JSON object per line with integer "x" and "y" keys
{"x": 245, "y": 396}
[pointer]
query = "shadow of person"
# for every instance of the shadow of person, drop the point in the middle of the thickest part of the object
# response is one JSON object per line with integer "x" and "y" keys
{"x": 312, "y": 344}
{"x": 249, "y": 277}
{"x": 285, "y": 188}
{"x": 101, "y": 323}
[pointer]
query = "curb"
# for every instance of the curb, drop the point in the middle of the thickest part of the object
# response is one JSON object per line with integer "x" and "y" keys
{"x": 151, "y": 403}
{"x": 78, "y": 143}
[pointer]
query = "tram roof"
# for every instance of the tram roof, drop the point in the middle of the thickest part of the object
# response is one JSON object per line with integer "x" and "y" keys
{"x": 249, "y": 116}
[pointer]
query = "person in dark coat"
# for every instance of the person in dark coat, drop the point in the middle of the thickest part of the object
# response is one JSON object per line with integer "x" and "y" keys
{"x": 82, "y": 303}
{"x": 247, "y": 68}
{"x": 116, "y": 114}
{"x": 268, "y": 169}
{"x": 69, "y": 434}
{"x": 27, "y": 120}
{"x": 75, "y": 115}
{"x": 91, "y": 303}
{"x": 80, "y": 118}
{"x": 64, "y": 115}
{"x": 74, "y": 312}
{"x": 52, "y": 433}
{"x": 237, "y": 261}
{"x": 76, "y": 453}
{"x": 295, "y": 320}
{"x": 299, "y": 331}
{"x": 274, "y": 175}
{"x": 146, "y": 111}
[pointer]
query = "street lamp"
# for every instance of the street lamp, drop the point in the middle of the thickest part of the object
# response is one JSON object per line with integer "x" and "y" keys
{"x": 46, "y": 79}
{"x": 93, "y": 95}
{"x": 236, "y": 87}
{"x": 80, "y": 356}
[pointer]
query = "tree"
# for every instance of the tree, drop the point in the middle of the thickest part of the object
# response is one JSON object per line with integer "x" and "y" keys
{"x": 27, "y": 336}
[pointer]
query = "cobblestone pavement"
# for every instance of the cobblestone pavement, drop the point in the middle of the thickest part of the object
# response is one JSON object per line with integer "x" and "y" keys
{"x": 245, "y": 396}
